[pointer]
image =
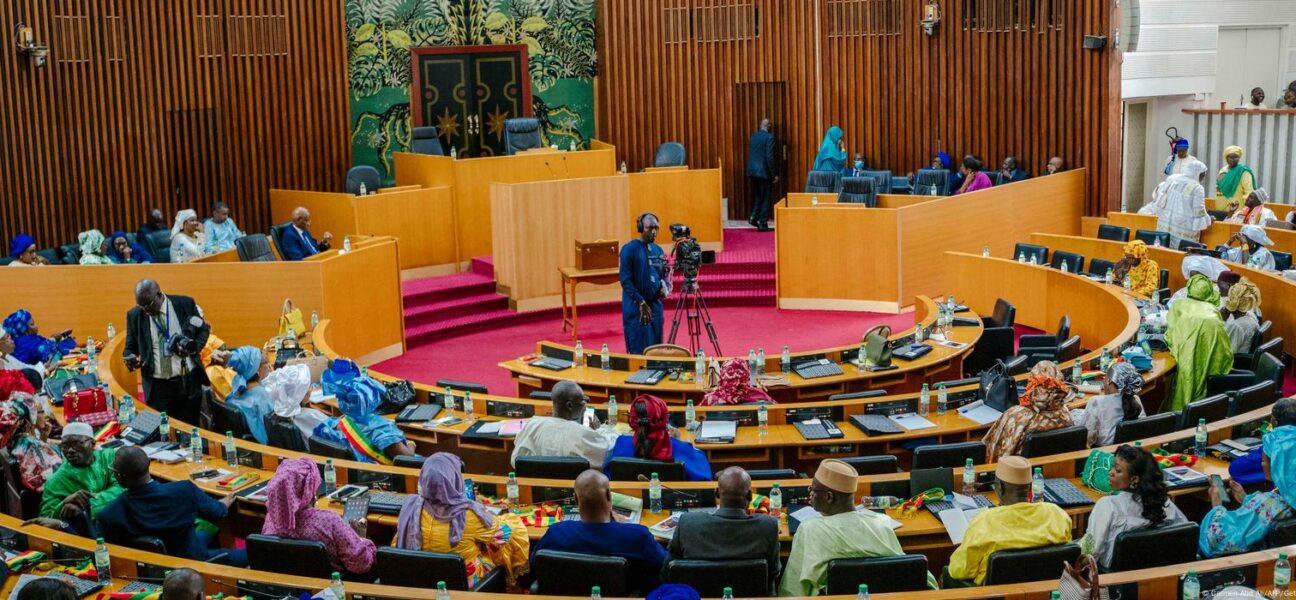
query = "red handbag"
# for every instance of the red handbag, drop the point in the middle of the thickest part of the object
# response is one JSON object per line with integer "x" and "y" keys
{"x": 88, "y": 406}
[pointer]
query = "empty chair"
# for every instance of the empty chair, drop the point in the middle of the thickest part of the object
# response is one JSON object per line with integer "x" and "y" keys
{"x": 1153, "y": 238}
{"x": 1282, "y": 260}
{"x": 282, "y": 433}
{"x": 1027, "y": 251}
{"x": 1130, "y": 430}
{"x": 931, "y": 182}
{"x": 996, "y": 177}
{"x": 303, "y": 558}
{"x": 550, "y": 467}
{"x": 629, "y": 469}
{"x": 1056, "y": 441}
{"x": 329, "y": 448}
{"x": 1251, "y": 397}
{"x": 858, "y": 190}
{"x": 997, "y": 339}
{"x": 1044, "y": 345}
{"x": 1186, "y": 245}
{"x": 412, "y": 461}
{"x": 948, "y": 456}
{"x": 520, "y": 134}
{"x": 882, "y": 179}
{"x": 670, "y": 154}
{"x": 70, "y": 253}
{"x": 573, "y": 574}
{"x": 1114, "y": 233}
{"x": 822, "y": 182}
{"x": 1074, "y": 262}
{"x": 710, "y": 577}
{"x": 900, "y": 185}
{"x": 1248, "y": 361}
{"x": 1211, "y": 409}
{"x": 1155, "y": 547}
{"x": 363, "y": 174}
{"x": 419, "y": 569}
{"x": 158, "y": 244}
{"x": 905, "y": 573}
{"x": 1004, "y": 315}
{"x": 1281, "y": 533}
{"x": 462, "y": 386}
{"x": 254, "y": 247}
{"x": 424, "y": 140}
{"x": 1099, "y": 267}
{"x": 873, "y": 465}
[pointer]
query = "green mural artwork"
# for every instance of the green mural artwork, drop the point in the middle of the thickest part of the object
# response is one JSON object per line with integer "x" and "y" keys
{"x": 559, "y": 35}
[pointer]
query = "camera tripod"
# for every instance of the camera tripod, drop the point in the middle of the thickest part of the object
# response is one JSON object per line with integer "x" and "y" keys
{"x": 693, "y": 306}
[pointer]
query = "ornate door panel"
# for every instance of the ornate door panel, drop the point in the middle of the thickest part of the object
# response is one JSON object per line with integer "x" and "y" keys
{"x": 467, "y": 92}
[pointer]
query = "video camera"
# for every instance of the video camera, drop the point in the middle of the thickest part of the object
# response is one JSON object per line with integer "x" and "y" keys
{"x": 186, "y": 343}
{"x": 689, "y": 255}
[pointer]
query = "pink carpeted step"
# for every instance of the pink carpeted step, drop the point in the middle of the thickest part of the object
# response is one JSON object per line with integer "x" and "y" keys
{"x": 483, "y": 265}
{"x": 446, "y": 287}
{"x": 445, "y": 310}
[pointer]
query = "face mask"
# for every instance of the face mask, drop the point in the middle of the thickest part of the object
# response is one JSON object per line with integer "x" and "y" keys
{"x": 859, "y": 164}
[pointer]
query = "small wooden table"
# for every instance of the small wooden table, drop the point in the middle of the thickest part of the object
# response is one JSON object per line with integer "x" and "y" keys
{"x": 572, "y": 277}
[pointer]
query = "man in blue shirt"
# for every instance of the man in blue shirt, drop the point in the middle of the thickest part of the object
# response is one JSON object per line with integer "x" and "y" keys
{"x": 642, "y": 287}
{"x": 220, "y": 229}
{"x": 599, "y": 534}
{"x": 167, "y": 511}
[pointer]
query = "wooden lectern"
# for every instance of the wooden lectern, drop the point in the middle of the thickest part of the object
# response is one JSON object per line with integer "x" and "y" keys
{"x": 597, "y": 262}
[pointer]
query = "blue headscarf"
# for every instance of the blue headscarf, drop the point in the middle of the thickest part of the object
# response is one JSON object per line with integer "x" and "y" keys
{"x": 357, "y": 397}
{"x": 1280, "y": 447}
{"x": 245, "y": 361}
{"x": 831, "y": 157}
{"x": 674, "y": 591}
{"x": 20, "y": 243}
{"x": 32, "y": 349}
{"x": 945, "y": 159}
{"x": 18, "y": 323}
{"x": 138, "y": 253}
{"x": 1181, "y": 143}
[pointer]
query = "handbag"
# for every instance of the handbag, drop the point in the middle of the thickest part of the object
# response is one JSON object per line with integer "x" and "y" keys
{"x": 396, "y": 396}
{"x": 877, "y": 347}
{"x": 1071, "y": 589}
{"x": 318, "y": 363}
{"x": 291, "y": 319}
{"x": 1096, "y": 469}
{"x": 997, "y": 388}
{"x": 87, "y": 406}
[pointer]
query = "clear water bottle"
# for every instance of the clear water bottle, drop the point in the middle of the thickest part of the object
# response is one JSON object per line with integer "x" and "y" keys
{"x": 1034, "y": 259}
{"x": 623, "y": 167}
{"x": 112, "y": 331}
{"x": 330, "y": 476}
{"x": 863, "y": 592}
{"x": 448, "y": 398}
{"x": 1282, "y": 573}
{"x": 1191, "y": 587}
{"x": 762, "y": 418}
{"x": 231, "y": 451}
{"x": 751, "y": 367}
{"x": 985, "y": 251}
{"x": 346, "y": 243}
{"x": 924, "y": 398}
{"x": 612, "y": 410}
{"x": 969, "y": 478}
{"x": 1021, "y": 257}
{"x": 605, "y": 361}
{"x": 470, "y": 489}
{"x": 699, "y": 370}
{"x": 1104, "y": 361}
{"x": 859, "y": 358}
{"x": 1076, "y": 371}
{"x": 512, "y": 489}
{"x": 776, "y": 501}
{"x": 654, "y": 495}
{"x": 578, "y": 356}
{"x": 335, "y": 586}
{"x": 690, "y": 413}
{"x": 90, "y": 351}
{"x": 364, "y": 371}
{"x": 760, "y": 361}
{"x": 785, "y": 361}
{"x": 164, "y": 427}
{"x": 1109, "y": 277}
{"x": 292, "y": 335}
{"x": 363, "y": 189}
{"x": 1199, "y": 438}
{"x": 942, "y": 399}
{"x": 572, "y": 147}
{"x": 314, "y": 319}
{"x": 454, "y": 153}
{"x": 1037, "y": 485}
{"x": 728, "y": 594}
{"x": 468, "y": 407}
{"x": 880, "y": 502}
{"x": 442, "y": 593}
{"x": 1064, "y": 267}
{"x": 195, "y": 446}
{"x": 125, "y": 410}
{"x": 1125, "y": 283}
{"x": 596, "y": 593}
{"x": 919, "y": 333}
{"x": 102, "y": 562}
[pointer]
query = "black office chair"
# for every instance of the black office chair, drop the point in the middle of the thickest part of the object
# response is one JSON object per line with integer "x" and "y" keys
{"x": 948, "y": 456}
{"x": 669, "y": 154}
{"x": 1213, "y": 408}
{"x": 1281, "y": 533}
{"x": 1153, "y": 238}
{"x": 54, "y": 257}
{"x": 710, "y": 577}
{"x": 904, "y": 573}
{"x": 874, "y": 465}
{"x": 1017, "y": 365}
{"x": 419, "y": 569}
{"x": 1251, "y": 397}
{"x": 276, "y": 236}
{"x": 70, "y": 254}
{"x": 225, "y": 418}
{"x": 1249, "y": 361}
{"x": 1282, "y": 260}
{"x": 1268, "y": 368}
{"x": 858, "y": 395}
{"x": 1163, "y": 281}
{"x": 931, "y": 182}
{"x": 996, "y": 177}
{"x": 1186, "y": 245}
{"x": 328, "y": 448}
{"x": 566, "y": 468}
{"x": 998, "y": 338}
{"x": 409, "y": 461}
{"x": 1044, "y": 346}
{"x": 770, "y": 474}
{"x": 1004, "y": 315}
{"x": 540, "y": 395}
{"x": 363, "y": 174}
{"x": 822, "y": 182}
{"x": 1056, "y": 441}
{"x": 462, "y": 386}
{"x": 1074, "y": 262}
{"x": 521, "y": 134}
{"x": 282, "y": 433}
{"x": 254, "y": 247}
{"x": 1114, "y": 233}
{"x": 1031, "y": 564}
{"x": 882, "y": 181}
{"x": 425, "y": 140}
{"x": 1129, "y": 430}
{"x": 1099, "y": 267}
{"x": 303, "y": 558}
{"x": 158, "y": 244}
{"x": 573, "y": 574}
{"x": 1041, "y": 253}
{"x": 147, "y": 543}
{"x": 1065, "y": 352}
{"x": 858, "y": 190}
{"x": 629, "y": 469}
{"x": 1155, "y": 547}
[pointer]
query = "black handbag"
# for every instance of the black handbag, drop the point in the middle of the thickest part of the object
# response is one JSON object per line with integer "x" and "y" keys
{"x": 997, "y": 388}
{"x": 398, "y": 395}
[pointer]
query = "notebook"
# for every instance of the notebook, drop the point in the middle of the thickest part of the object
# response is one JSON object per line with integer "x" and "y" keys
{"x": 979, "y": 413}
{"x": 717, "y": 432}
{"x": 912, "y": 421}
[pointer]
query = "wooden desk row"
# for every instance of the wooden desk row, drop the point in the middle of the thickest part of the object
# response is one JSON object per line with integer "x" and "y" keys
{"x": 1218, "y": 232}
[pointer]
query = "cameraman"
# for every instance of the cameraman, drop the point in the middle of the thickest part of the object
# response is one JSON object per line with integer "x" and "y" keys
{"x": 163, "y": 337}
{"x": 642, "y": 286}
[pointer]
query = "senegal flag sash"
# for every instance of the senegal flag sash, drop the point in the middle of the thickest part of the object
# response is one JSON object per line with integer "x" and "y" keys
{"x": 359, "y": 443}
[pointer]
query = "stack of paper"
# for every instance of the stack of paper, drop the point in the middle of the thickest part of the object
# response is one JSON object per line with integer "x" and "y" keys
{"x": 979, "y": 413}
{"x": 956, "y": 519}
{"x": 912, "y": 421}
{"x": 718, "y": 432}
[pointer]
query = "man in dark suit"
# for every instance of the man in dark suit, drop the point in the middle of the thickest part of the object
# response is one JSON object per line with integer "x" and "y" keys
{"x": 763, "y": 173}
{"x": 730, "y": 533}
{"x": 296, "y": 242}
{"x": 164, "y": 335}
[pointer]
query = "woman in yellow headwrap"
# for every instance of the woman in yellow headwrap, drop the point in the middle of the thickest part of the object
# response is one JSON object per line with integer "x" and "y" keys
{"x": 1236, "y": 181}
{"x": 1239, "y": 314}
{"x": 1144, "y": 273}
{"x": 1197, "y": 340}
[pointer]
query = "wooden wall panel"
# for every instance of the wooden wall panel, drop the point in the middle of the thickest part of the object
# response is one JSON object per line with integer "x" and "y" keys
{"x": 171, "y": 104}
{"x": 899, "y": 95}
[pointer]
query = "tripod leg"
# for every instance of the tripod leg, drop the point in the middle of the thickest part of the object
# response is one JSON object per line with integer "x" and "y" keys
{"x": 706, "y": 319}
{"x": 675, "y": 318}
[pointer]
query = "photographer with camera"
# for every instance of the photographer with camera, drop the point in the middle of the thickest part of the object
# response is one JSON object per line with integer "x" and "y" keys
{"x": 164, "y": 335}
{"x": 643, "y": 286}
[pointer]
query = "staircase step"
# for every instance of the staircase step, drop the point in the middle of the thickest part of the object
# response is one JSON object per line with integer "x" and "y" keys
{"x": 446, "y": 310}
{"x": 446, "y": 288}
{"x": 483, "y": 265}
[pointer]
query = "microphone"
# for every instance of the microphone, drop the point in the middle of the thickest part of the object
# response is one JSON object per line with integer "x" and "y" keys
{"x": 551, "y": 170}
{"x": 691, "y": 495}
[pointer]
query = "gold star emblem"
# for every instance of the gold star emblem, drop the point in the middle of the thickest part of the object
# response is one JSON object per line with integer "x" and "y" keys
{"x": 448, "y": 125}
{"x": 496, "y": 123}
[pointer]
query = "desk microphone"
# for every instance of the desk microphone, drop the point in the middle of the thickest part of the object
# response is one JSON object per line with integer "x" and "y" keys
{"x": 692, "y": 495}
{"x": 551, "y": 170}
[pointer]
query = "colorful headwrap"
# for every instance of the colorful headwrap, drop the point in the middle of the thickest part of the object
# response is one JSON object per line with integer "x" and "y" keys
{"x": 12, "y": 380}
{"x": 1045, "y": 388}
{"x": 1243, "y": 297}
{"x": 1136, "y": 249}
{"x": 290, "y": 492}
{"x": 441, "y": 496}
{"x": 1231, "y": 150}
{"x": 18, "y": 323}
{"x": 1205, "y": 290}
{"x": 91, "y": 242}
{"x": 648, "y": 419}
{"x": 1181, "y": 143}
{"x": 20, "y": 243}
{"x": 1125, "y": 378}
{"x": 735, "y": 386}
{"x": 245, "y": 362}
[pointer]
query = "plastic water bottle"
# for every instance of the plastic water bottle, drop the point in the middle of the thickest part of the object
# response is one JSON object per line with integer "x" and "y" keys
{"x": 596, "y": 593}
{"x": 578, "y": 355}
{"x": 728, "y": 594}
{"x": 1199, "y": 438}
{"x": 292, "y": 335}
{"x": 1076, "y": 371}
{"x": 1065, "y": 268}
{"x": 654, "y": 495}
{"x": 125, "y": 410}
{"x": 1282, "y": 573}
{"x": 985, "y": 251}
{"x": 699, "y": 370}
{"x": 1037, "y": 485}
{"x": 335, "y": 586}
{"x": 112, "y": 331}
{"x": 90, "y": 351}
{"x": 924, "y": 397}
{"x": 346, "y": 244}
{"x": 1125, "y": 283}
{"x": 605, "y": 360}
{"x": 863, "y": 592}
{"x": 814, "y": 201}
{"x": 164, "y": 427}
{"x": 448, "y": 398}
{"x": 762, "y": 418}
{"x": 880, "y": 502}
{"x": 363, "y": 191}
{"x": 760, "y": 361}
{"x": 623, "y": 167}
{"x": 1034, "y": 259}
{"x": 690, "y": 413}
{"x": 1109, "y": 277}
{"x": 969, "y": 478}
{"x": 231, "y": 452}
{"x": 920, "y": 334}
{"x": 572, "y": 147}
{"x": 751, "y": 367}
{"x": 776, "y": 501}
{"x": 942, "y": 399}
{"x": 364, "y": 371}
{"x": 469, "y": 409}
{"x": 454, "y": 153}
{"x": 512, "y": 488}
{"x": 785, "y": 361}
{"x": 442, "y": 593}
{"x": 103, "y": 564}
{"x": 330, "y": 476}
{"x": 612, "y": 410}
{"x": 860, "y": 357}
{"x": 314, "y": 319}
{"x": 1021, "y": 257}
{"x": 1191, "y": 587}
{"x": 195, "y": 446}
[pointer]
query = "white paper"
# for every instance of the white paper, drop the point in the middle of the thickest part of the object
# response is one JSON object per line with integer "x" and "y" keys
{"x": 712, "y": 430}
{"x": 912, "y": 421}
{"x": 805, "y": 513}
{"x": 318, "y": 397}
{"x": 490, "y": 428}
{"x": 956, "y": 522}
{"x": 979, "y": 413}
{"x": 965, "y": 502}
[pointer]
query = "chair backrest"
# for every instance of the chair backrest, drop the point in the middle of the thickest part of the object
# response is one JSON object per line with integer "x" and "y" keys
{"x": 1041, "y": 253}
{"x": 1269, "y": 368}
{"x": 1074, "y": 262}
{"x": 904, "y": 573}
{"x": 858, "y": 190}
{"x": 1155, "y": 547}
{"x": 931, "y": 182}
{"x": 276, "y": 236}
{"x": 1152, "y": 237}
{"x": 572, "y": 574}
{"x": 322, "y": 447}
{"x": 424, "y": 140}
{"x": 822, "y": 182}
{"x": 1273, "y": 346}
{"x": 419, "y": 569}
{"x": 1186, "y": 245}
{"x": 670, "y": 154}
{"x": 1005, "y": 314}
{"x": 520, "y": 134}
{"x": 1113, "y": 232}
{"x": 550, "y": 467}
{"x": 254, "y": 247}
{"x": 1281, "y": 533}
{"x": 362, "y": 174}
{"x": 1212, "y": 409}
{"x": 1029, "y": 564}
{"x": 55, "y": 257}
{"x": 1251, "y": 397}
{"x": 710, "y": 577}
{"x": 767, "y": 474}
{"x": 282, "y": 433}
{"x": 882, "y": 181}
{"x": 629, "y": 469}
{"x": 1282, "y": 260}
{"x": 874, "y": 465}
{"x": 462, "y": 386}
{"x": 1057, "y": 441}
{"x": 304, "y": 558}
{"x": 71, "y": 253}
{"x": 226, "y": 418}
{"x": 666, "y": 350}
{"x": 1069, "y": 350}
{"x": 1163, "y": 280}
{"x": 158, "y": 244}
{"x": 1016, "y": 365}
{"x": 148, "y": 543}
{"x": 413, "y": 461}
{"x": 1099, "y": 267}
{"x": 948, "y": 456}
{"x": 1141, "y": 429}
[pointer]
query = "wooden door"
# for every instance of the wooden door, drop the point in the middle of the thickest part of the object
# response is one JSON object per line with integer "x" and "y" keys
{"x": 756, "y": 101}
{"x": 467, "y": 92}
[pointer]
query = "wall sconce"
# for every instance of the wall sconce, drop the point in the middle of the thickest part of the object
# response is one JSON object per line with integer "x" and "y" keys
{"x": 931, "y": 17}
{"x": 27, "y": 45}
